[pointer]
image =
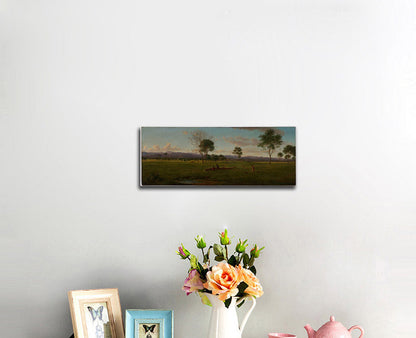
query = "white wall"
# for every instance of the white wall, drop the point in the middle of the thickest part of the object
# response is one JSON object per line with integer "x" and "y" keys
{"x": 78, "y": 78}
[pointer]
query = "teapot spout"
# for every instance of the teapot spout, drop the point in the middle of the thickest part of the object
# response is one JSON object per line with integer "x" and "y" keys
{"x": 311, "y": 332}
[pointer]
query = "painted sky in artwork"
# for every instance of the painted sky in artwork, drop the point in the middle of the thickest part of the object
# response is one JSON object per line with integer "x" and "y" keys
{"x": 177, "y": 139}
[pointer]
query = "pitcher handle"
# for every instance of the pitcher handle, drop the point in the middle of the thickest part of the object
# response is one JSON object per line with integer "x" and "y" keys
{"x": 243, "y": 323}
{"x": 359, "y": 328}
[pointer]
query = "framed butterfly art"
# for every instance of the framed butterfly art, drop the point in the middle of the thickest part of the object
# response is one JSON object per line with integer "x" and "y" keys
{"x": 96, "y": 313}
{"x": 149, "y": 324}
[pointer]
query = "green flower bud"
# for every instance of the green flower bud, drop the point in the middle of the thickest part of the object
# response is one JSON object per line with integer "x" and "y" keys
{"x": 182, "y": 252}
{"x": 200, "y": 242}
{"x": 194, "y": 262}
{"x": 241, "y": 246}
{"x": 255, "y": 252}
{"x": 224, "y": 240}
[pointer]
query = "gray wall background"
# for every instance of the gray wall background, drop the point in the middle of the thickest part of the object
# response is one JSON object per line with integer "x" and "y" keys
{"x": 78, "y": 78}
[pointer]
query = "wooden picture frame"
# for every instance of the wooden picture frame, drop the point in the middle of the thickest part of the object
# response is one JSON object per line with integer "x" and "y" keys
{"x": 149, "y": 323}
{"x": 96, "y": 313}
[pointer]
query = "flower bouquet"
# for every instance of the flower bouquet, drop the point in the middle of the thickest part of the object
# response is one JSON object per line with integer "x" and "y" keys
{"x": 234, "y": 275}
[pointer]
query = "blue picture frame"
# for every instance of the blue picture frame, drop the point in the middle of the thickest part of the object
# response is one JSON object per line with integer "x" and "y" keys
{"x": 137, "y": 319}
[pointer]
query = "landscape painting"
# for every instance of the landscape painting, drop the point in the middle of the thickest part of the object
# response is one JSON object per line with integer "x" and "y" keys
{"x": 218, "y": 156}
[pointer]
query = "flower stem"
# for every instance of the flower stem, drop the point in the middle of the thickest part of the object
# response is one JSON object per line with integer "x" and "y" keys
{"x": 203, "y": 255}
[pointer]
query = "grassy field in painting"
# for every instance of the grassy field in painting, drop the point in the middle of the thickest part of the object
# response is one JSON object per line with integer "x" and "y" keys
{"x": 230, "y": 172}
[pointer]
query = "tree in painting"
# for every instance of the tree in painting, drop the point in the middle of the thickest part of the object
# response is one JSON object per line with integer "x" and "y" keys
{"x": 280, "y": 155}
{"x": 238, "y": 151}
{"x": 269, "y": 141}
{"x": 196, "y": 138}
{"x": 206, "y": 146}
{"x": 290, "y": 150}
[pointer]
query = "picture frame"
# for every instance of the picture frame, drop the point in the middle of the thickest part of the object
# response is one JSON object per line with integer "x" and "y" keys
{"x": 149, "y": 323}
{"x": 96, "y": 313}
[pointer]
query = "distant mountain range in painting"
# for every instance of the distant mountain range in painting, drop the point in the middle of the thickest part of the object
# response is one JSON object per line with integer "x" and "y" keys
{"x": 193, "y": 156}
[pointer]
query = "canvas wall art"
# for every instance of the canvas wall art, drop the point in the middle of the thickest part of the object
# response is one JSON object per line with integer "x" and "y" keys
{"x": 217, "y": 156}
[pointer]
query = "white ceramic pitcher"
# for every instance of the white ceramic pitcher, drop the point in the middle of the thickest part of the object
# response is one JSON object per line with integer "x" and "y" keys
{"x": 224, "y": 322}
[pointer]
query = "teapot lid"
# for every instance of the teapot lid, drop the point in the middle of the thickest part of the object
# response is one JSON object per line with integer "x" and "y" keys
{"x": 332, "y": 319}
{"x": 333, "y": 326}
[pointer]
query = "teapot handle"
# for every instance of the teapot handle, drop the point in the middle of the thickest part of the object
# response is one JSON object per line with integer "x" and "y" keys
{"x": 243, "y": 323}
{"x": 357, "y": 327}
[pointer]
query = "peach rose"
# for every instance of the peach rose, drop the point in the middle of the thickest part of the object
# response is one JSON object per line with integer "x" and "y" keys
{"x": 223, "y": 280}
{"x": 254, "y": 288}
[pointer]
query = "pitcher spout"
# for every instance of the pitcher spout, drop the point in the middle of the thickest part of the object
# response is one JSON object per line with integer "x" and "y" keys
{"x": 311, "y": 332}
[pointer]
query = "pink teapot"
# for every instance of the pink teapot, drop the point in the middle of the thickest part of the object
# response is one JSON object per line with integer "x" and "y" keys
{"x": 332, "y": 329}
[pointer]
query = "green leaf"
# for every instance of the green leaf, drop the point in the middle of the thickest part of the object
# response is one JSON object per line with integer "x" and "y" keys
{"x": 232, "y": 261}
{"x": 242, "y": 287}
{"x": 200, "y": 268}
{"x": 241, "y": 304}
{"x": 219, "y": 258}
{"x": 251, "y": 261}
{"x": 253, "y": 269}
{"x": 204, "y": 298}
{"x": 227, "y": 302}
{"x": 219, "y": 250}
